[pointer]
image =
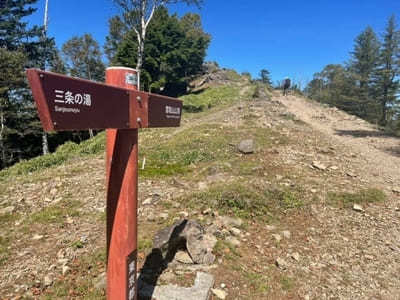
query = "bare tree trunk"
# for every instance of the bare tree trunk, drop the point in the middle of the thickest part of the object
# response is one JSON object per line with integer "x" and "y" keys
{"x": 3, "y": 152}
{"x": 139, "y": 61}
{"x": 91, "y": 133}
{"x": 45, "y": 143}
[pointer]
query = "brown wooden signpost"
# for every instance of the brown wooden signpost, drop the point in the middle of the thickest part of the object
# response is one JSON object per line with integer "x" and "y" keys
{"x": 66, "y": 103}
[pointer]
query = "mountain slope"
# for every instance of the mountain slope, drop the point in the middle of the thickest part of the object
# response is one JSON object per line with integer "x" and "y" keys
{"x": 294, "y": 196}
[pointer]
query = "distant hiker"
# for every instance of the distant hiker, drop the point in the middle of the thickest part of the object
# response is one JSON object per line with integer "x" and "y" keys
{"x": 286, "y": 86}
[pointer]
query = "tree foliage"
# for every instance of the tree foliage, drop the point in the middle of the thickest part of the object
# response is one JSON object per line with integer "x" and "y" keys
{"x": 175, "y": 51}
{"x": 137, "y": 15}
{"x": 388, "y": 70}
{"x": 82, "y": 56}
{"x": 265, "y": 76}
{"x": 20, "y": 47}
{"x": 368, "y": 86}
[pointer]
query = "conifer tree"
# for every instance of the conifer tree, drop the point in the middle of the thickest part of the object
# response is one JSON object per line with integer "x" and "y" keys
{"x": 265, "y": 77}
{"x": 175, "y": 51}
{"x": 21, "y": 47}
{"x": 364, "y": 65}
{"x": 386, "y": 77}
{"x": 137, "y": 15}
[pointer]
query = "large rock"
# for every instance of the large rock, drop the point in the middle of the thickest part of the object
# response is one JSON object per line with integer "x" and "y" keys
{"x": 186, "y": 234}
{"x": 200, "y": 291}
{"x": 246, "y": 146}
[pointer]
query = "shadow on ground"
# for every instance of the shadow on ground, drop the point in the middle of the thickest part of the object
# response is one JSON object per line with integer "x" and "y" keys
{"x": 363, "y": 133}
{"x": 395, "y": 151}
{"x": 156, "y": 263}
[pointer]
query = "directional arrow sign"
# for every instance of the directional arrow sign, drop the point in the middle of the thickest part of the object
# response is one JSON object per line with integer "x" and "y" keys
{"x": 67, "y": 103}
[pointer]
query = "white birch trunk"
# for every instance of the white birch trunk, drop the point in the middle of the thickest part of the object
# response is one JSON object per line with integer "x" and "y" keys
{"x": 3, "y": 152}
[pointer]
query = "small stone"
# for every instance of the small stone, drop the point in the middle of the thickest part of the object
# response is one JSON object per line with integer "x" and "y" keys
{"x": 48, "y": 280}
{"x": 358, "y": 207}
{"x": 167, "y": 276}
{"x": 53, "y": 191}
{"x": 70, "y": 220}
{"x": 334, "y": 168}
{"x": 101, "y": 281}
{"x": 202, "y": 185}
{"x": 235, "y": 231}
{"x": 163, "y": 216}
{"x": 184, "y": 214}
{"x": 314, "y": 191}
{"x": 232, "y": 240}
{"x": 47, "y": 199}
{"x": 296, "y": 256}
{"x": 396, "y": 190}
{"x": 176, "y": 204}
{"x": 286, "y": 234}
{"x": 277, "y": 237}
{"x": 246, "y": 146}
{"x": 65, "y": 270}
{"x": 279, "y": 177}
{"x": 183, "y": 257}
{"x": 370, "y": 257}
{"x": 228, "y": 221}
{"x": 220, "y": 294}
{"x": 281, "y": 263}
{"x": 151, "y": 217}
{"x": 318, "y": 165}
{"x": 350, "y": 174}
{"x": 37, "y": 237}
{"x": 270, "y": 227}
{"x": 7, "y": 210}
{"x": 148, "y": 201}
{"x": 62, "y": 261}
{"x": 223, "y": 285}
{"x": 206, "y": 211}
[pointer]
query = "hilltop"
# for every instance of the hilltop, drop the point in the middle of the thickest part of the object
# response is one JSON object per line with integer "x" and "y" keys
{"x": 314, "y": 209}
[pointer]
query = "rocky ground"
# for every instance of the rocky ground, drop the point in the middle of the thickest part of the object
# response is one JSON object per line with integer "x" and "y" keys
{"x": 330, "y": 229}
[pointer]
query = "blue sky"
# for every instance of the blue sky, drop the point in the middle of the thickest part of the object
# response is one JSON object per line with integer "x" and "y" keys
{"x": 289, "y": 38}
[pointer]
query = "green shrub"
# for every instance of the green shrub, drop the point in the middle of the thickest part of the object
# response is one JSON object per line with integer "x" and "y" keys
{"x": 209, "y": 98}
{"x": 63, "y": 153}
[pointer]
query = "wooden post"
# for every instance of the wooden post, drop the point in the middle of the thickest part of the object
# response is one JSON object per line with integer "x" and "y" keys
{"x": 122, "y": 189}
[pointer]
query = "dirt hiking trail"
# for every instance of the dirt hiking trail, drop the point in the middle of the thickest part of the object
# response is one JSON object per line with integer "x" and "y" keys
{"x": 352, "y": 255}
{"x": 380, "y": 152}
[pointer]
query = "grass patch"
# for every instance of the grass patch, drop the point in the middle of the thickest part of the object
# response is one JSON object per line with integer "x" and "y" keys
{"x": 175, "y": 155}
{"x": 210, "y": 97}
{"x": 246, "y": 201}
{"x": 79, "y": 283}
{"x": 55, "y": 214}
{"x": 145, "y": 244}
{"x": 257, "y": 281}
{"x": 347, "y": 200}
{"x": 4, "y": 244}
{"x": 8, "y": 218}
{"x": 226, "y": 249}
{"x": 192, "y": 146}
{"x": 63, "y": 153}
{"x": 287, "y": 283}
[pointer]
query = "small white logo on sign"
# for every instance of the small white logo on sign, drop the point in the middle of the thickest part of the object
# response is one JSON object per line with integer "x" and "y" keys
{"x": 131, "y": 78}
{"x": 170, "y": 110}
